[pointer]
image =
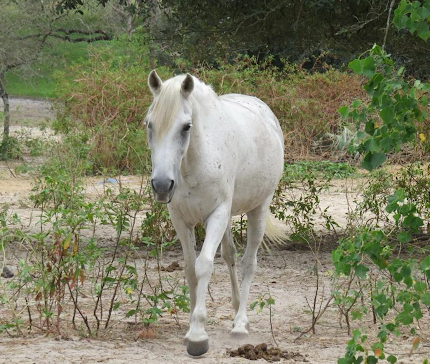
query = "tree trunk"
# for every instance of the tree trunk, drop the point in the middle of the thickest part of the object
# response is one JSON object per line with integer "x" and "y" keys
{"x": 5, "y": 98}
{"x": 152, "y": 30}
{"x": 129, "y": 21}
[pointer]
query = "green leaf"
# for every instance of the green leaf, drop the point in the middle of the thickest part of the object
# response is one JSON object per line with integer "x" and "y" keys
{"x": 405, "y": 318}
{"x": 404, "y": 237}
{"x": 410, "y": 25}
{"x": 370, "y": 127}
{"x": 425, "y": 299}
{"x": 420, "y": 287}
{"x": 386, "y": 144}
{"x": 408, "y": 281}
{"x": 392, "y": 359}
{"x": 369, "y": 67}
{"x": 387, "y": 114}
{"x": 130, "y": 313}
{"x": 400, "y": 21}
{"x": 356, "y": 315}
{"x": 391, "y": 327}
{"x": 357, "y": 66}
{"x": 361, "y": 271}
{"x": 405, "y": 271}
{"x": 413, "y": 222}
{"x": 362, "y": 134}
{"x": 423, "y": 30}
{"x": 371, "y": 145}
{"x": 425, "y": 264}
{"x": 270, "y": 301}
{"x": 423, "y": 12}
{"x": 373, "y": 160}
{"x": 343, "y": 361}
{"x": 344, "y": 111}
{"x": 398, "y": 277}
{"x": 371, "y": 360}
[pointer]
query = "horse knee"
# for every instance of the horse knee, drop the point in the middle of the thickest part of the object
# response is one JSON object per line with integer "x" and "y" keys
{"x": 204, "y": 266}
{"x": 249, "y": 265}
{"x": 190, "y": 274}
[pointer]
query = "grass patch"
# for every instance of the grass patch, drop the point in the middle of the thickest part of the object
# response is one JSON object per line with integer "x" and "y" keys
{"x": 319, "y": 169}
{"x": 40, "y": 82}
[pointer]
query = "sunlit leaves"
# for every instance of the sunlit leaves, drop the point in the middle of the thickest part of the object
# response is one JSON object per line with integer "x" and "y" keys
{"x": 373, "y": 160}
{"x": 395, "y": 106}
{"x": 413, "y": 16}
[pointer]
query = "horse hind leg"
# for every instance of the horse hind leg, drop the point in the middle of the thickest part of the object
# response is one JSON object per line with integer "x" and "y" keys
{"x": 255, "y": 233}
{"x": 228, "y": 252}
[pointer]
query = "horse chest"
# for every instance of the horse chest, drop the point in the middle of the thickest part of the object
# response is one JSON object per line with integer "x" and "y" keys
{"x": 197, "y": 203}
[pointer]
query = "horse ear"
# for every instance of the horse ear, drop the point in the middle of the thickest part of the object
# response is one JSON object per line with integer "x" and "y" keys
{"x": 154, "y": 82}
{"x": 187, "y": 86}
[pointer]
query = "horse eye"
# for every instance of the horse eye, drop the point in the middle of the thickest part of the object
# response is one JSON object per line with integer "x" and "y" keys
{"x": 187, "y": 127}
{"x": 149, "y": 125}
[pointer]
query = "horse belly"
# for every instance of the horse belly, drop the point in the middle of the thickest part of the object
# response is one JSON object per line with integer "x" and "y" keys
{"x": 260, "y": 162}
{"x": 257, "y": 178}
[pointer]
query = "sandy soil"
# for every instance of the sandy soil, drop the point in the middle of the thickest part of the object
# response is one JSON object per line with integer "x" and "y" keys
{"x": 287, "y": 274}
{"x": 22, "y": 110}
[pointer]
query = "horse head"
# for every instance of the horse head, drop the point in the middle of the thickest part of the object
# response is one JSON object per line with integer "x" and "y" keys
{"x": 168, "y": 122}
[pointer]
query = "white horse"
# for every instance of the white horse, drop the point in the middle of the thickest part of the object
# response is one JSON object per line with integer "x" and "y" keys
{"x": 213, "y": 157}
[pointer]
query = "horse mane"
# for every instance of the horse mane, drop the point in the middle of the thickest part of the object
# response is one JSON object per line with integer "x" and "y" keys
{"x": 166, "y": 105}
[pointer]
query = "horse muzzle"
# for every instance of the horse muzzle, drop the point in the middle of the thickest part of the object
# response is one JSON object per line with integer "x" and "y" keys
{"x": 163, "y": 189}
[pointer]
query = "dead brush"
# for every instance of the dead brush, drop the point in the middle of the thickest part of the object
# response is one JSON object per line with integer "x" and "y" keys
{"x": 110, "y": 106}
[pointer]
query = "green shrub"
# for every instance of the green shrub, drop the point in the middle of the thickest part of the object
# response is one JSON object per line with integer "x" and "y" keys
{"x": 106, "y": 104}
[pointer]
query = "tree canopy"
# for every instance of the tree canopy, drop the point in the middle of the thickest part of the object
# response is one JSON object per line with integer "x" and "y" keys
{"x": 297, "y": 30}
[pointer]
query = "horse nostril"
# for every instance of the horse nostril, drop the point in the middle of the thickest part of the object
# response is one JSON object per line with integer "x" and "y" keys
{"x": 162, "y": 186}
{"x": 172, "y": 183}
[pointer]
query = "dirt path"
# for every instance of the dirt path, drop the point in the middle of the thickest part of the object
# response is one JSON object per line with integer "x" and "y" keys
{"x": 288, "y": 275}
{"x": 29, "y": 110}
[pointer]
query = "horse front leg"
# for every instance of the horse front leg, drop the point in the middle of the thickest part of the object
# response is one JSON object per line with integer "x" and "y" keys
{"x": 216, "y": 224}
{"x": 188, "y": 242}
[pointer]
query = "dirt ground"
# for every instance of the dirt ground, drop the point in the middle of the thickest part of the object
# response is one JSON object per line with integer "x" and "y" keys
{"x": 286, "y": 274}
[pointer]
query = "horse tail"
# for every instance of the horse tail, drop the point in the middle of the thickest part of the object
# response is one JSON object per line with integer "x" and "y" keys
{"x": 274, "y": 236}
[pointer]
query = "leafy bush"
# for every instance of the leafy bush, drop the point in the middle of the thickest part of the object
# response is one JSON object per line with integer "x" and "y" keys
{"x": 67, "y": 260}
{"x": 107, "y": 103}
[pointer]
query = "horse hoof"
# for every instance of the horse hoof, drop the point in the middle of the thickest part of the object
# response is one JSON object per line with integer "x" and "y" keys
{"x": 197, "y": 348}
{"x": 239, "y": 333}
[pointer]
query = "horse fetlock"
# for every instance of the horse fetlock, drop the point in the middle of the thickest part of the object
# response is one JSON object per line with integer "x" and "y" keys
{"x": 240, "y": 327}
{"x": 235, "y": 302}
